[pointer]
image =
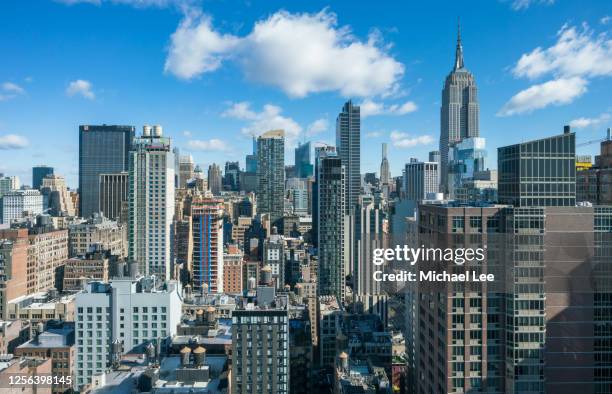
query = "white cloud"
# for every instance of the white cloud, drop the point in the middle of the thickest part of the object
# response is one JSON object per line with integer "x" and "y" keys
{"x": 524, "y": 4}
{"x": 13, "y": 141}
{"x": 80, "y": 87}
{"x": 10, "y": 90}
{"x": 582, "y": 122}
{"x": 576, "y": 53}
{"x": 196, "y": 48}
{"x": 404, "y": 140}
{"x": 213, "y": 144}
{"x": 298, "y": 53}
{"x": 576, "y": 58}
{"x": 370, "y": 108}
{"x": 187, "y": 133}
{"x": 317, "y": 127}
{"x": 605, "y": 20}
{"x": 373, "y": 134}
{"x": 557, "y": 92}
{"x": 269, "y": 118}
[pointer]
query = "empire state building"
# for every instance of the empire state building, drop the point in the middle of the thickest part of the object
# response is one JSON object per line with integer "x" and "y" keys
{"x": 459, "y": 111}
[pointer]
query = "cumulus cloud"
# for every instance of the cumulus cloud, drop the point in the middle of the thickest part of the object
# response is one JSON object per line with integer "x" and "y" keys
{"x": 298, "y": 53}
{"x": 576, "y": 53}
{"x": 578, "y": 56}
{"x": 524, "y": 4}
{"x": 583, "y": 122}
{"x": 269, "y": 118}
{"x": 371, "y": 108}
{"x": 80, "y": 87}
{"x": 13, "y": 141}
{"x": 404, "y": 140}
{"x": 557, "y": 92}
{"x": 213, "y": 144}
{"x": 373, "y": 134}
{"x": 317, "y": 127}
{"x": 10, "y": 90}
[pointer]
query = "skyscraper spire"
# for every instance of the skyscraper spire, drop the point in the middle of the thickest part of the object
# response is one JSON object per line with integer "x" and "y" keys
{"x": 459, "y": 50}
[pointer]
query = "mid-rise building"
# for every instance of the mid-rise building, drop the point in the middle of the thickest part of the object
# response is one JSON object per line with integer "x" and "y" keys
{"x": 420, "y": 179}
{"x": 8, "y": 183}
{"x": 260, "y": 346}
{"x": 151, "y": 203}
{"x": 594, "y": 183}
{"x": 19, "y": 204}
{"x": 539, "y": 173}
{"x": 92, "y": 266}
{"x": 103, "y": 149}
{"x": 128, "y": 313}
{"x": 109, "y": 234}
{"x": 13, "y": 263}
{"x": 232, "y": 271}
{"x": 56, "y": 196}
{"x": 57, "y": 344}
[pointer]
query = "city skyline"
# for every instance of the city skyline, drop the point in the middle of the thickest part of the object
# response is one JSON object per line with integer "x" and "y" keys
{"x": 214, "y": 125}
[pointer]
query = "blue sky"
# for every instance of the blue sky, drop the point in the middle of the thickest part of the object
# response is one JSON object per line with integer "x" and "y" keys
{"x": 215, "y": 72}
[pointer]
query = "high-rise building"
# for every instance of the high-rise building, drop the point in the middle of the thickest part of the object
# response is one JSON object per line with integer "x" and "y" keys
{"x": 214, "y": 179}
{"x": 368, "y": 225}
{"x": 266, "y": 326}
{"x": 539, "y": 173}
{"x": 348, "y": 142}
{"x": 114, "y": 193}
{"x": 186, "y": 167}
{"x": 420, "y": 179}
{"x": 18, "y": 204}
{"x": 465, "y": 160}
{"x": 434, "y": 155}
{"x": 207, "y": 230}
{"x": 38, "y": 174}
{"x": 332, "y": 222}
{"x": 151, "y": 203}
{"x": 303, "y": 164}
{"x": 231, "y": 176}
{"x": 103, "y": 149}
{"x": 56, "y": 195}
{"x": 385, "y": 175}
{"x": 459, "y": 112}
{"x": 271, "y": 176}
{"x": 8, "y": 183}
{"x": 118, "y": 308}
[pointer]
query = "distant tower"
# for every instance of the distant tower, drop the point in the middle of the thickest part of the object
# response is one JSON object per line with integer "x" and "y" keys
{"x": 459, "y": 111}
{"x": 385, "y": 176}
{"x": 151, "y": 203}
{"x": 348, "y": 141}
{"x": 271, "y": 176}
{"x": 38, "y": 174}
{"x": 214, "y": 179}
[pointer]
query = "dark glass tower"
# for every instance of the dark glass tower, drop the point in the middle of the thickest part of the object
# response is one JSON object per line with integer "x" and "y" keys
{"x": 348, "y": 141}
{"x": 38, "y": 174}
{"x": 103, "y": 149}
{"x": 303, "y": 165}
{"x": 271, "y": 176}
